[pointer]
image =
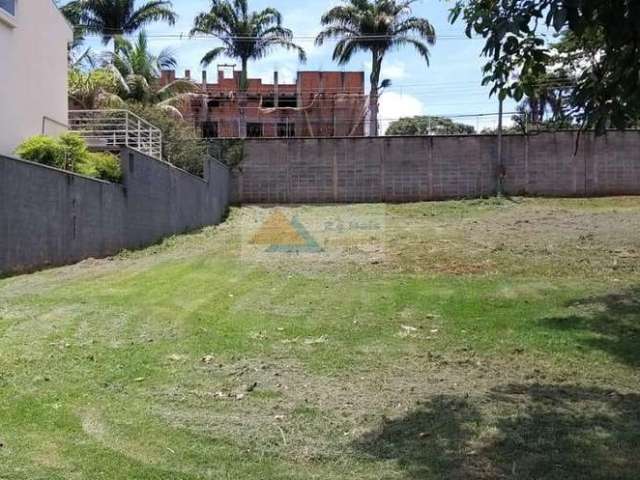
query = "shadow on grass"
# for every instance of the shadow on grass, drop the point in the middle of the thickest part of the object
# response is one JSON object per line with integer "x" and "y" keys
{"x": 610, "y": 323}
{"x": 517, "y": 431}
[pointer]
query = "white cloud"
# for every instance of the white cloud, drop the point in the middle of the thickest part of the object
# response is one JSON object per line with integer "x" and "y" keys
{"x": 390, "y": 70}
{"x": 395, "y": 105}
{"x": 285, "y": 74}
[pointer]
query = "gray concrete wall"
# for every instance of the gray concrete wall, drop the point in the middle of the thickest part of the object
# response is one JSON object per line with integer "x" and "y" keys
{"x": 50, "y": 217}
{"x": 403, "y": 169}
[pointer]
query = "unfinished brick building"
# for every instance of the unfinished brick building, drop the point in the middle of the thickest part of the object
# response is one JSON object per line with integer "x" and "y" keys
{"x": 319, "y": 104}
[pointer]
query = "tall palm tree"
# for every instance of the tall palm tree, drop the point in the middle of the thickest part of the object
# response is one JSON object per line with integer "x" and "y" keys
{"x": 244, "y": 35}
{"x": 375, "y": 26}
{"x": 78, "y": 55}
{"x": 113, "y": 18}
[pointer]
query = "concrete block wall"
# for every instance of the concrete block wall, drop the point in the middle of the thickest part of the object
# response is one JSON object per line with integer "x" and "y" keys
{"x": 50, "y": 217}
{"x": 406, "y": 169}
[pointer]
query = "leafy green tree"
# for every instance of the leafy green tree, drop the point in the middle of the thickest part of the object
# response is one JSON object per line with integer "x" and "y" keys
{"x": 113, "y": 18}
{"x": 549, "y": 103}
{"x": 425, "y": 125}
{"x": 377, "y": 27}
{"x": 245, "y": 35}
{"x": 181, "y": 144}
{"x": 606, "y": 89}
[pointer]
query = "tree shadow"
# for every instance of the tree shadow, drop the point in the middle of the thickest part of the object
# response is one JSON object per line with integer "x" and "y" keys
{"x": 610, "y": 323}
{"x": 516, "y": 431}
{"x": 429, "y": 440}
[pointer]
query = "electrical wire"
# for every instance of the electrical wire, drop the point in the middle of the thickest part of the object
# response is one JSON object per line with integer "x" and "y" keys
{"x": 82, "y": 29}
{"x": 415, "y": 88}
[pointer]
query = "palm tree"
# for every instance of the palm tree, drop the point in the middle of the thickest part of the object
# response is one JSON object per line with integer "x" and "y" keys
{"x": 79, "y": 56}
{"x": 375, "y": 26}
{"x": 138, "y": 70}
{"x": 546, "y": 94}
{"x": 136, "y": 58}
{"x": 113, "y": 18}
{"x": 94, "y": 89}
{"x": 244, "y": 35}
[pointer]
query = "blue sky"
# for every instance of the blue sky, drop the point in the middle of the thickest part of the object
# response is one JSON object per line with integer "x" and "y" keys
{"x": 449, "y": 86}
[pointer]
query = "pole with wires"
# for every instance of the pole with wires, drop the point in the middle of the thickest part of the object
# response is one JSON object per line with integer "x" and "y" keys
{"x": 501, "y": 169}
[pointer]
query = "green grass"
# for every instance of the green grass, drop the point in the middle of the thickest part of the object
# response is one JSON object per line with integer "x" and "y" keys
{"x": 484, "y": 339}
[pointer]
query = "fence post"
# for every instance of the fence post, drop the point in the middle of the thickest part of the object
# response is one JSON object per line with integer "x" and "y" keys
{"x": 126, "y": 128}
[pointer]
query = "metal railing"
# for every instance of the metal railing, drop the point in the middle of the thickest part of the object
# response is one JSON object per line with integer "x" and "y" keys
{"x": 113, "y": 129}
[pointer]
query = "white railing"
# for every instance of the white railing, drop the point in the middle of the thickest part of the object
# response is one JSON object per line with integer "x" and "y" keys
{"x": 112, "y": 129}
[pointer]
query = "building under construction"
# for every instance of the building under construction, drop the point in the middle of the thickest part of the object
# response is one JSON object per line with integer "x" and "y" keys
{"x": 318, "y": 104}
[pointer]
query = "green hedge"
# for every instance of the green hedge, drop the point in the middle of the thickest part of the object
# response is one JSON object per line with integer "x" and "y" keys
{"x": 70, "y": 152}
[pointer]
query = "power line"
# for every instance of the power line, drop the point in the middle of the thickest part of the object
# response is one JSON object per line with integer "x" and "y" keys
{"x": 202, "y": 36}
{"x": 382, "y": 119}
{"x": 437, "y": 89}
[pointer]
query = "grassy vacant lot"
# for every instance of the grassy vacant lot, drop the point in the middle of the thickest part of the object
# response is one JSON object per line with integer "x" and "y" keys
{"x": 457, "y": 340}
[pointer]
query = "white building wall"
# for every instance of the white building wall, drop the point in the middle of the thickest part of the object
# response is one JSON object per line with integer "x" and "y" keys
{"x": 33, "y": 72}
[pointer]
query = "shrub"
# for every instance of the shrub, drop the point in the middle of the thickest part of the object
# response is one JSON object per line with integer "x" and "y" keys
{"x": 42, "y": 149}
{"x": 227, "y": 150}
{"x": 181, "y": 146}
{"x": 106, "y": 166}
{"x": 74, "y": 149}
{"x": 70, "y": 152}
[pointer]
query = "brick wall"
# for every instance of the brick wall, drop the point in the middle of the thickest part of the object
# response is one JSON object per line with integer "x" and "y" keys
{"x": 404, "y": 169}
{"x": 50, "y": 217}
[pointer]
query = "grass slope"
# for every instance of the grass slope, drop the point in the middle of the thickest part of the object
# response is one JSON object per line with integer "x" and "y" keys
{"x": 482, "y": 340}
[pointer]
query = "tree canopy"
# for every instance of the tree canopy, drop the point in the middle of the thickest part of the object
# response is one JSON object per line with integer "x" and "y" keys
{"x": 112, "y": 18}
{"x": 426, "y": 125}
{"x": 604, "y": 51}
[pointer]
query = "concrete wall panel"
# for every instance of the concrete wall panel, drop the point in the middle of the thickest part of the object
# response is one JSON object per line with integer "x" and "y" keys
{"x": 50, "y": 217}
{"x": 405, "y": 169}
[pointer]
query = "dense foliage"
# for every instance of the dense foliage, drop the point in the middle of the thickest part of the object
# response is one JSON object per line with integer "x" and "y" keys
{"x": 425, "y": 125}
{"x": 181, "y": 145}
{"x": 137, "y": 70}
{"x": 69, "y": 152}
{"x": 603, "y": 55}
{"x": 102, "y": 165}
{"x": 113, "y": 18}
{"x": 94, "y": 89}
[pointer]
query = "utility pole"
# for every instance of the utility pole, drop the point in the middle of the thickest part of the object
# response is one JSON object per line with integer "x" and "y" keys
{"x": 501, "y": 170}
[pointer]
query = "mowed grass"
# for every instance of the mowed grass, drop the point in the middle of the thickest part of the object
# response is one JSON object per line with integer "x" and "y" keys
{"x": 475, "y": 339}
